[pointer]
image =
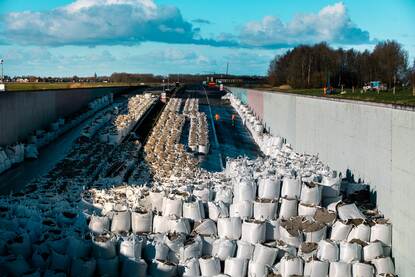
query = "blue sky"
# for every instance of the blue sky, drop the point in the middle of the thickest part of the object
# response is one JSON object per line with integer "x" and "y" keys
{"x": 64, "y": 37}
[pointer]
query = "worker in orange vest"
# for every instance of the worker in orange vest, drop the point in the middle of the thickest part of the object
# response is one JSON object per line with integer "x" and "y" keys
{"x": 217, "y": 117}
{"x": 233, "y": 120}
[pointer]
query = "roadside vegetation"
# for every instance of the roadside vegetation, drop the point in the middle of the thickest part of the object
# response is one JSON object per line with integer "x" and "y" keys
{"x": 65, "y": 85}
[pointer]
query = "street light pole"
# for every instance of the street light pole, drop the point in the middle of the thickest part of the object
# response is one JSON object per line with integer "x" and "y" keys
{"x": 2, "y": 76}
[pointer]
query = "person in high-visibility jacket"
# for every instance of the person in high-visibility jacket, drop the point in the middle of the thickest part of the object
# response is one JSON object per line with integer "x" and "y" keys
{"x": 233, "y": 120}
{"x": 217, "y": 117}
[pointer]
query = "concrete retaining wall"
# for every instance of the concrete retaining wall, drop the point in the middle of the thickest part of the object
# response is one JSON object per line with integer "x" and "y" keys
{"x": 23, "y": 112}
{"x": 376, "y": 143}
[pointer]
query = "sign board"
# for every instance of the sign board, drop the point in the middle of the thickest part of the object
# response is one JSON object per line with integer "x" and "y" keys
{"x": 2, "y": 87}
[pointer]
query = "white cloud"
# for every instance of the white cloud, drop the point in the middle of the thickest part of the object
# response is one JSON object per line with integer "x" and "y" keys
{"x": 331, "y": 24}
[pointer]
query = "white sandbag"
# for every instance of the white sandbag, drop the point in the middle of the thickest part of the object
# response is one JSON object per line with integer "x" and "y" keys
{"x": 83, "y": 267}
{"x": 99, "y": 224}
{"x": 180, "y": 225}
{"x": 331, "y": 186}
{"x": 59, "y": 262}
{"x": 315, "y": 268}
{"x": 104, "y": 246}
{"x": 172, "y": 207}
{"x": 291, "y": 188}
{"x": 265, "y": 209}
{"x": 160, "y": 224}
{"x": 350, "y": 252}
{"x": 223, "y": 248}
{"x": 31, "y": 152}
{"x": 130, "y": 247}
{"x": 245, "y": 250}
{"x": 242, "y": 209}
{"x": 217, "y": 209}
{"x": 311, "y": 194}
{"x": 291, "y": 266}
{"x": 265, "y": 254}
{"x": 20, "y": 245}
{"x": 349, "y": 211}
{"x": 207, "y": 227}
{"x": 15, "y": 266}
{"x": 340, "y": 269}
{"x": 192, "y": 248}
{"x": 308, "y": 251}
{"x": 236, "y": 267}
{"x": 372, "y": 251}
{"x": 204, "y": 194}
{"x": 133, "y": 267}
{"x": 328, "y": 251}
{"x": 272, "y": 230}
{"x": 360, "y": 232}
{"x": 288, "y": 208}
{"x": 163, "y": 268}
{"x": 362, "y": 270}
{"x": 340, "y": 231}
{"x": 108, "y": 267}
{"x": 384, "y": 265}
{"x": 306, "y": 210}
{"x": 209, "y": 266}
{"x": 207, "y": 245}
{"x": 121, "y": 222}
{"x": 156, "y": 199}
{"x": 314, "y": 231}
{"x": 141, "y": 221}
{"x": 244, "y": 190}
{"x": 78, "y": 248}
{"x": 224, "y": 194}
{"x": 381, "y": 232}
{"x": 229, "y": 227}
{"x": 155, "y": 250}
{"x": 257, "y": 269}
{"x": 190, "y": 268}
{"x": 193, "y": 210}
{"x": 253, "y": 231}
{"x": 269, "y": 187}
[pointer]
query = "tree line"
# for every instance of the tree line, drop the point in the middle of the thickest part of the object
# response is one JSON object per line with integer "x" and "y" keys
{"x": 313, "y": 66}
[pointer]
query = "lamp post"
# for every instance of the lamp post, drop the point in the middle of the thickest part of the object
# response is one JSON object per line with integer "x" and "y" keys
{"x": 2, "y": 76}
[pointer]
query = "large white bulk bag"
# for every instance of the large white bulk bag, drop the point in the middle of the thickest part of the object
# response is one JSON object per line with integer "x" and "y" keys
{"x": 108, "y": 267}
{"x": 207, "y": 227}
{"x": 257, "y": 269}
{"x": 311, "y": 194}
{"x": 155, "y": 250}
{"x": 217, "y": 209}
{"x": 242, "y": 209}
{"x": 172, "y": 207}
{"x": 384, "y": 265}
{"x": 381, "y": 232}
{"x": 340, "y": 269}
{"x": 162, "y": 268}
{"x": 229, "y": 227}
{"x": 349, "y": 211}
{"x": 328, "y": 251}
{"x": 340, "y": 231}
{"x": 291, "y": 266}
{"x": 180, "y": 225}
{"x": 204, "y": 194}
{"x": 265, "y": 209}
{"x": 272, "y": 230}
{"x": 131, "y": 247}
{"x": 59, "y": 262}
{"x": 78, "y": 248}
{"x": 160, "y": 224}
{"x": 306, "y": 210}
{"x": 362, "y": 270}
{"x": 133, "y": 267}
{"x": 360, "y": 232}
{"x": 315, "y": 268}
{"x": 15, "y": 266}
{"x": 156, "y": 197}
{"x": 190, "y": 268}
{"x": 193, "y": 210}
{"x": 288, "y": 208}
{"x": 291, "y": 188}
{"x": 314, "y": 231}
{"x": 265, "y": 254}
{"x": 269, "y": 187}
{"x": 253, "y": 231}
{"x": 20, "y": 245}
{"x": 292, "y": 237}
{"x": 308, "y": 251}
{"x": 192, "y": 248}
{"x": 236, "y": 267}
{"x": 209, "y": 266}
{"x": 244, "y": 190}
{"x": 331, "y": 186}
{"x": 99, "y": 224}
{"x": 142, "y": 221}
{"x": 223, "y": 248}
{"x": 245, "y": 250}
{"x": 104, "y": 246}
{"x": 372, "y": 251}
{"x": 121, "y": 222}
{"x": 350, "y": 252}
{"x": 224, "y": 194}
{"x": 207, "y": 245}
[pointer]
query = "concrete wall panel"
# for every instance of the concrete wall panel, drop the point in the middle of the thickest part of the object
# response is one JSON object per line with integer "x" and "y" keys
{"x": 376, "y": 143}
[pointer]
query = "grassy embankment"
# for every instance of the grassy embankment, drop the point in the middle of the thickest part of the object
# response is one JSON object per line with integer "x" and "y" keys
{"x": 401, "y": 97}
{"x": 46, "y": 86}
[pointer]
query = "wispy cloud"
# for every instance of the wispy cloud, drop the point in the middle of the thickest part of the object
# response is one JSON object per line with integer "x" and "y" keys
{"x": 201, "y": 21}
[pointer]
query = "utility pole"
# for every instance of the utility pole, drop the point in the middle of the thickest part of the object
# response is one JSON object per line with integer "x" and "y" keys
{"x": 2, "y": 73}
{"x": 227, "y": 69}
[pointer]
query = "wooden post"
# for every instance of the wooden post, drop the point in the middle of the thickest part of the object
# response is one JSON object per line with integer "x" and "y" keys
{"x": 413, "y": 91}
